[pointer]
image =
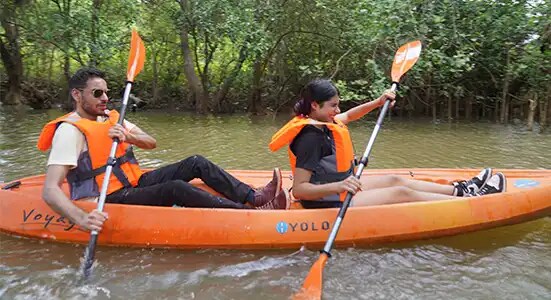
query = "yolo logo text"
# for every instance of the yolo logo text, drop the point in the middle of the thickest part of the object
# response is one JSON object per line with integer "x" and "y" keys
{"x": 284, "y": 227}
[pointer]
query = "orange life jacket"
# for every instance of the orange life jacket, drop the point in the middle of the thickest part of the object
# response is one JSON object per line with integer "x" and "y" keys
{"x": 87, "y": 177}
{"x": 336, "y": 167}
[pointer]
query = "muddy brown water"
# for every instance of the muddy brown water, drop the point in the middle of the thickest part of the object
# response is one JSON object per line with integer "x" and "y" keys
{"x": 512, "y": 262}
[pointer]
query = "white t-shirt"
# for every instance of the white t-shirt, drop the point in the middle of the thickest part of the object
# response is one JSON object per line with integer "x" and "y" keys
{"x": 69, "y": 142}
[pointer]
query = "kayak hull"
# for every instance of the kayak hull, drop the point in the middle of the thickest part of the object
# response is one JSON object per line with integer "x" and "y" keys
{"x": 528, "y": 196}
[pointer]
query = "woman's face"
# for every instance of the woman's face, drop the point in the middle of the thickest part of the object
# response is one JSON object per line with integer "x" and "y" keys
{"x": 327, "y": 110}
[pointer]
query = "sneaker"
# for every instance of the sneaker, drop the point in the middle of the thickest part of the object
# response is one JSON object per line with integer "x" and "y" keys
{"x": 473, "y": 185}
{"x": 266, "y": 195}
{"x": 496, "y": 184}
{"x": 281, "y": 201}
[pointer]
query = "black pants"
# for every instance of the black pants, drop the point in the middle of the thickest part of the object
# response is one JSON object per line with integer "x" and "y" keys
{"x": 170, "y": 185}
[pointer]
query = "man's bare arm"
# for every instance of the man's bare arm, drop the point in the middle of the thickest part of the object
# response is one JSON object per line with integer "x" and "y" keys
{"x": 138, "y": 137}
{"x": 134, "y": 136}
{"x": 58, "y": 201}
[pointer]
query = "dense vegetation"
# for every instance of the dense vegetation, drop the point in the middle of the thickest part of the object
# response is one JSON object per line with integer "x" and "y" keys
{"x": 481, "y": 59}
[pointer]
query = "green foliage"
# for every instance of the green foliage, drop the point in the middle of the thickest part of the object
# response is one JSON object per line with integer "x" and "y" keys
{"x": 466, "y": 45}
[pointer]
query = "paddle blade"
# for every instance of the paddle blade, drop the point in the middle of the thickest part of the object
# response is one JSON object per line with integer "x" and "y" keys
{"x": 137, "y": 56}
{"x": 404, "y": 59}
{"x": 89, "y": 254}
{"x": 311, "y": 289}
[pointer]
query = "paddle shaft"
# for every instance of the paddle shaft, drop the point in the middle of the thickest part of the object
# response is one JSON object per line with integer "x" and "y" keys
{"x": 359, "y": 170}
{"x": 89, "y": 253}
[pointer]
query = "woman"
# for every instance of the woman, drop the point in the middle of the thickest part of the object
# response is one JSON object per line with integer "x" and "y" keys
{"x": 322, "y": 158}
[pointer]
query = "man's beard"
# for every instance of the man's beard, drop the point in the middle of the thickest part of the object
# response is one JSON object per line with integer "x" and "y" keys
{"x": 95, "y": 112}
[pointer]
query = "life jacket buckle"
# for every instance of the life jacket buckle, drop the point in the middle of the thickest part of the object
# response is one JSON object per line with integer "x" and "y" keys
{"x": 111, "y": 161}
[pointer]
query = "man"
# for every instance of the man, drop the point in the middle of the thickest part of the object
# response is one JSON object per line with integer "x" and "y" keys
{"x": 80, "y": 144}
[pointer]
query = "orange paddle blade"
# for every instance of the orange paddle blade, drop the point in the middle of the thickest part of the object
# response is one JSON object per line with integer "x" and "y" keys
{"x": 137, "y": 56}
{"x": 404, "y": 59}
{"x": 311, "y": 289}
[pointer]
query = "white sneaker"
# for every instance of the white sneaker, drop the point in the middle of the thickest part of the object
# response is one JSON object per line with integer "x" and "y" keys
{"x": 496, "y": 184}
{"x": 473, "y": 185}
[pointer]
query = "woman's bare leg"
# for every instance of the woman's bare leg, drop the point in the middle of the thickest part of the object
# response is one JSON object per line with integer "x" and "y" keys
{"x": 396, "y": 194}
{"x": 380, "y": 182}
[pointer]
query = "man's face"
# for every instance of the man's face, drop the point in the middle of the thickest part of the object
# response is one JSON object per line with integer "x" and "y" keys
{"x": 93, "y": 98}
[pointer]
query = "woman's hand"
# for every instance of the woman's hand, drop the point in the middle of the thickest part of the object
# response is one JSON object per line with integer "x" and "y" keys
{"x": 350, "y": 184}
{"x": 388, "y": 94}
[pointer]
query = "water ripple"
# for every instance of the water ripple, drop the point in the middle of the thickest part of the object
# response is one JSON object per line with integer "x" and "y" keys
{"x": 510, "y": 262}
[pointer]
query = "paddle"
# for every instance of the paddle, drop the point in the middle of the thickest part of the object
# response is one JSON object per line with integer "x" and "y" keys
{"x": 135, "y": 65}
{"x": 404, "y": 59}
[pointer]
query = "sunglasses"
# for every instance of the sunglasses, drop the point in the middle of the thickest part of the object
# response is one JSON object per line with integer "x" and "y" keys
{"x": 97, "y": 93}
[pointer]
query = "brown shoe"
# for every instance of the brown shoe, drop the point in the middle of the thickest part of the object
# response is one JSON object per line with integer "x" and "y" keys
{"x": 281, "y": 201}
{"x": 264, "y": 197}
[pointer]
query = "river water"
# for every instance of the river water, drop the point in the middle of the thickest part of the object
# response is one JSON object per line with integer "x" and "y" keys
{"x": 511, "y": 262}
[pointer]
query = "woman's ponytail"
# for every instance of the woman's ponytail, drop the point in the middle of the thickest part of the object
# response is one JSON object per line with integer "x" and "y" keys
{"x": 318, "y": 90}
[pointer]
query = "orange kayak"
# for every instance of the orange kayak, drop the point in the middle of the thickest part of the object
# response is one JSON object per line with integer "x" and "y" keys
{"x": 528, "y": 196}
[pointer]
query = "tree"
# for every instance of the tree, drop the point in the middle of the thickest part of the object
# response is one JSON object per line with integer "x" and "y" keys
{"x": 10, "y": 51}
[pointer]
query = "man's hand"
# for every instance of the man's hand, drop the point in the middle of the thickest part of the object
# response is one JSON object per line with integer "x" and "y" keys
{"x": 93, "y": 220}
{"x": 119, "y": 132}
{"x": 135, "y": 136}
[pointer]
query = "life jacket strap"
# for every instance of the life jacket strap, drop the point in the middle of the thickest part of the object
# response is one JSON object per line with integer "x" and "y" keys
{"x": 128, "y": 156}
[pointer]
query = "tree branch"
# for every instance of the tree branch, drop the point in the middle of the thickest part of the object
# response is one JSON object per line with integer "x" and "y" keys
{"x": 337, "y": 64}
{"x": 270, "y": 52}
